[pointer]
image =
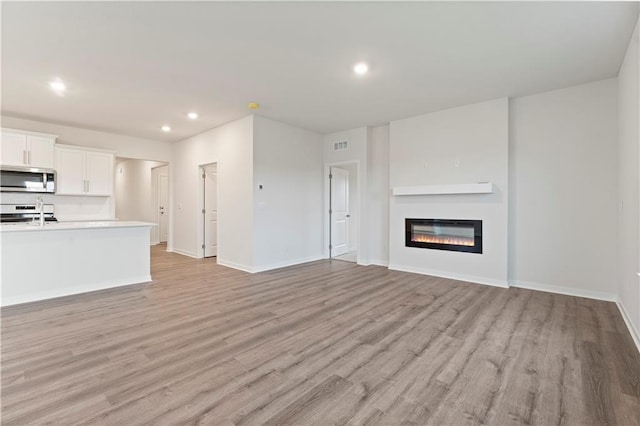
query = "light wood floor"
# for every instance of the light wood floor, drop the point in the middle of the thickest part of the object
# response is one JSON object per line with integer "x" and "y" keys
{"x": 328, "y": 342}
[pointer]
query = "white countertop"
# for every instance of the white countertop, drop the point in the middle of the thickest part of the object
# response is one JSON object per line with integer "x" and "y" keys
{"x": 65, "y": 226}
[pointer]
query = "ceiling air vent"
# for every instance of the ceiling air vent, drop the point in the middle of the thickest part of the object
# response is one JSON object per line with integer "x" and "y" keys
{"x": 340, "y": 145}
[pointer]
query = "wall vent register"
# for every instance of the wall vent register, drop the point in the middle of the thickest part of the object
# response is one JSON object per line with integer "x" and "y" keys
{"x": 444, "y": 234}
{"x": 340, "y": 145}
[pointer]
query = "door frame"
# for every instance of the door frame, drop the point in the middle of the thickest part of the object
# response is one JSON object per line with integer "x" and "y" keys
{"x": 326, "y": 218}
{"x": 201, "y": 207}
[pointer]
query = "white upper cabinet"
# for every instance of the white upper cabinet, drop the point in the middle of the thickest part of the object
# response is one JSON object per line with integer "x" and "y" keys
{"x": 70, "y": 171}
{"x": 99, "y": 173}
{"x": 13, "y": 149}
{"x": 41, "y": 152}
{"x": 83, "y": 171}
{"x": 27, "y": 149}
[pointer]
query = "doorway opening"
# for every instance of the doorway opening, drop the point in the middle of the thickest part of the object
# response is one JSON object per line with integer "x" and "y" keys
{"x": 209, "y": 175}
{"x": 344, "y": 211}
{"x": 142, "y": 194}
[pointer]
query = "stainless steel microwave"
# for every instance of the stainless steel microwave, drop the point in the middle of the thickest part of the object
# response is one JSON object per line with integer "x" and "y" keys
{"x": 27, "y": 179}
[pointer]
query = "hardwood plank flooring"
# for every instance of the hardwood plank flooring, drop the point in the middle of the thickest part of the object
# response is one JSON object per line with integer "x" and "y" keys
{"x": 327, "y": 342}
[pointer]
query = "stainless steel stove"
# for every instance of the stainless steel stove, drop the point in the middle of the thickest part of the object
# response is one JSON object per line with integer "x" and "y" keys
{"x": 20, "y": 213}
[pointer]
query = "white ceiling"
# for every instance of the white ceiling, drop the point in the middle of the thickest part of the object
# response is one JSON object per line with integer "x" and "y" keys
{"x": 133, "y": 66}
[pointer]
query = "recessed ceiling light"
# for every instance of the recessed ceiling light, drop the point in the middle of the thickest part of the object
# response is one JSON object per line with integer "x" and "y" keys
{"x": 253, "y": 105}
{"x": 361, "y": 68}
{"x": 192, "y": 115}
{"x": 166, "y": 128}
{"x": 58, "y": 86}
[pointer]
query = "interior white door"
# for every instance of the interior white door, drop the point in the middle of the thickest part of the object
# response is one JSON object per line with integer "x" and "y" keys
{"x": 210, "y": 211}
{"x": 339, "y": 211}
{"x": 163, "y": 207}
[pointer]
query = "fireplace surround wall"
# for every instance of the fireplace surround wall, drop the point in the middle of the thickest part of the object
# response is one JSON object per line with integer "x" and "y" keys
{"x": 423, "y": 151}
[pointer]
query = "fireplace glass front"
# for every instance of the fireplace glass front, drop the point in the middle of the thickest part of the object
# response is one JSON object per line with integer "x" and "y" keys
{"x": 444, "y": 234}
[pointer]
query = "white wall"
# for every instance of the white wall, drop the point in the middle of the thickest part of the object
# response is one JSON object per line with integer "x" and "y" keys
{"x": 231, "y": 146}
{"x": 356, "y": 152}
{"x": 628, "y": 183}
{"x": 378, "y": 204}
{"x": 287, "y": 218}
{"x": 134, "y": 193}
{"x": 424, "y": 150}
{"x": 563, "y": 190}
{"x": 86, "y": 208}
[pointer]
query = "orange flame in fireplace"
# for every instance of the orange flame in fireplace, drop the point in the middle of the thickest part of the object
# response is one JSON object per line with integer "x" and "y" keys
{"x": 443, "y": 239}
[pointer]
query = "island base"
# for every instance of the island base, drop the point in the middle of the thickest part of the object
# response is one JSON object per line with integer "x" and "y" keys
{"x": 44, "y": 265}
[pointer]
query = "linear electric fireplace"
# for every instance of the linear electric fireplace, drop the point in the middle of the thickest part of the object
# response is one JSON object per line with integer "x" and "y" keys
{"x": 444, "y": 234}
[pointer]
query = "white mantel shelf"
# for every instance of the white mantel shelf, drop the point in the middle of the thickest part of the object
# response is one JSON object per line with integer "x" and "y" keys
{"x": 464, "y": 188}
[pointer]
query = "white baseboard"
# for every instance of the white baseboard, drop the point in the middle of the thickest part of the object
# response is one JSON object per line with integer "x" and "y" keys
{"x": 450, "y": 275}
{"x": 234, "y": 265}
{"x": 286, "y": 263}
{"x": 184, "y": 253}
{"x": 262, "y": 268}
{"x": 50, "y": 294}
{"x": 379, "y": 262}
{"x": 627, "y": 320}
{"x": 589, "y": 294}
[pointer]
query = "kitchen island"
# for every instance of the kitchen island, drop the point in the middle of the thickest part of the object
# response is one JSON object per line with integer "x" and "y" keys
{"x": 65, "y": 258}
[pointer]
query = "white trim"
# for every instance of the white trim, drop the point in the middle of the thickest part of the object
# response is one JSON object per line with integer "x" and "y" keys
{"x": 270, "y": 267}
{"x": 287, "y": 263}
{"x": 627, "y": 320}
{"x": 379, "y": 262}
{"x": 183, "y": 252}
{"x": 569, "y": 291}
{"x": 234, "y": 265}
{"x": 450, "y": 275}
{"x": 50, "y": 294}
{"x": 84, "y": 148}
{"x": 464, "y": 188}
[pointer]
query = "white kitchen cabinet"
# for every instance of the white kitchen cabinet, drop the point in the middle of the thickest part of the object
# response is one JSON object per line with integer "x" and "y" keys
{"x": 28, "y": 149}
{"x": 99, "y": 173}
{"x": 70, "y": 177}
{"x": 83, "y": 171}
